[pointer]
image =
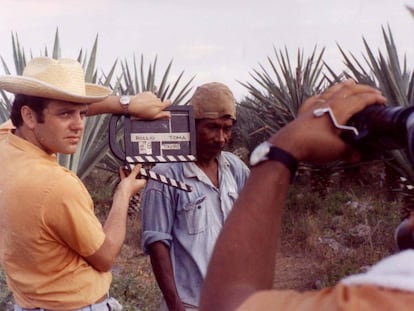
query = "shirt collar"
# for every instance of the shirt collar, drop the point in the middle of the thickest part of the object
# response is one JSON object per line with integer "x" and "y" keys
{"x": 192, "y": 170}
{"x": 23, "y": 144}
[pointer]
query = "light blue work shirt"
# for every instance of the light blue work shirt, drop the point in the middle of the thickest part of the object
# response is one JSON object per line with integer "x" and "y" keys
{"x": 190, "y": 222}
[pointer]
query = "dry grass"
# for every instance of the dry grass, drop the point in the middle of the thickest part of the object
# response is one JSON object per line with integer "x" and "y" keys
{"x": 340, "y": 233}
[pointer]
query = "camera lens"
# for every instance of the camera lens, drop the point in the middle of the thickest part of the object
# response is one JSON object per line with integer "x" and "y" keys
{"x": 380, "y": 128}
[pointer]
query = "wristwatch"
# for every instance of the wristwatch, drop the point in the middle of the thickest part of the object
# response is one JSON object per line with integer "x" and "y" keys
{"x": 267, "y": 152}
{"x": 124, "y": 101}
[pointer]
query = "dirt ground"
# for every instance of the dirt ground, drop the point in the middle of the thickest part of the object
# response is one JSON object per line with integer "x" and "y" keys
{"x": 292, "y": 272}
{"x": 295, "y": 271}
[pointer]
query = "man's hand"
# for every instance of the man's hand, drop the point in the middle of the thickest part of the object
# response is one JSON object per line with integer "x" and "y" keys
{"x": 130, "y": 184}
{"x": 315, "y": 139}
{"x": 148, "y": 106}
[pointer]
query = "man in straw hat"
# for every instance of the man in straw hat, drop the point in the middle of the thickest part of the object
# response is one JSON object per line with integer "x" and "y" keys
{"x": 180, "y": 228}
{"x": 54, "y": 251}
{"x": 241, "y": 270}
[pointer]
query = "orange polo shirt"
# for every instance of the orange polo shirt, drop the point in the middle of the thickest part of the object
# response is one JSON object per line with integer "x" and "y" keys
{"x": 47, "y": 227}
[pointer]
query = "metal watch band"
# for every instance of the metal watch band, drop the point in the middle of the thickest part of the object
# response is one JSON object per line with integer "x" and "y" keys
{"x": 284, "y": 157}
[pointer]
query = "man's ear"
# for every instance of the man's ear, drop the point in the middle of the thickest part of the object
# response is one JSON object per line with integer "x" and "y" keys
{"x": 28, "y": 116}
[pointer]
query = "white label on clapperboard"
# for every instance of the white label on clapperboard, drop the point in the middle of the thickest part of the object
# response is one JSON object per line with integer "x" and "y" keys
{"x": 145, "y": 147}
{"x": 144, "y": 140}
{"x": 170, "y": 146}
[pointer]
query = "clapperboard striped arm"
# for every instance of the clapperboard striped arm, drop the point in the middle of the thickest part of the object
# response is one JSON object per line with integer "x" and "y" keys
{"x": 160, "y": 178}
{"x": 165, "y": 180}
{"x": 161, "y": 159}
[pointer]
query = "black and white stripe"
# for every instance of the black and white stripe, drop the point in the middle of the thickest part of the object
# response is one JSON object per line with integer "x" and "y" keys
{"x": 165, "y": 180}
{"x": 160, "y": 159}
{"x": 161, "y": 178}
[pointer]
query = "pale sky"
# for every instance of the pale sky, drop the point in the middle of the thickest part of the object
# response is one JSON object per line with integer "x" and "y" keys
{"x": 215, "y": 40}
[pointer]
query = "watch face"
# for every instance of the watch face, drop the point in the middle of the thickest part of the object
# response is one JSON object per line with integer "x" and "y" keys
{"x": 125, "y": 100}
{"x": 259, "y": 154}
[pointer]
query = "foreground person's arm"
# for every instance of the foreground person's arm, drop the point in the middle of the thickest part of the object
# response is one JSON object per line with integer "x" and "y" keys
{"x": 244, "y": 256}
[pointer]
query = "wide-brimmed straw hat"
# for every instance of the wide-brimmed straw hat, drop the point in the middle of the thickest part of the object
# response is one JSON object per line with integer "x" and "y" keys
{"x": 213, "y": 100}
{"x": 61, "y": 79}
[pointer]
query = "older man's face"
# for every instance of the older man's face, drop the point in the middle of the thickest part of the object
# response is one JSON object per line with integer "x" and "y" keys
{"x": 212, "y": 136}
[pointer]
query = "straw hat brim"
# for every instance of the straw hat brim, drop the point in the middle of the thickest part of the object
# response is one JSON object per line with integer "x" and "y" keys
{"x": 33, "y": 87}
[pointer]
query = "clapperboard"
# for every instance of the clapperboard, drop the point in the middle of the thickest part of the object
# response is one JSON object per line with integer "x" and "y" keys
{"x": 137, "y": 141}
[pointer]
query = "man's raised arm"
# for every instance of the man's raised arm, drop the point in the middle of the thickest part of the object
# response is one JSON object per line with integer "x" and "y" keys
{"x": 244, "y": 256}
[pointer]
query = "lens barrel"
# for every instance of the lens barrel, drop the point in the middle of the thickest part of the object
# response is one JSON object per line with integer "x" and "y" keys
{"x": 380, "y": 128}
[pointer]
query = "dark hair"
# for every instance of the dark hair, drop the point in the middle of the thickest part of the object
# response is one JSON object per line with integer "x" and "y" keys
{"x": 37, "y": 104}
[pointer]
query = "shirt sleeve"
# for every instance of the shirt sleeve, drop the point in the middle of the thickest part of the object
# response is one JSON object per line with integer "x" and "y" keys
{"x": 239, "y": 169}
{"x": 69, "y": 216}
{"x": 158, "y": 213}
{"x": 244, "y": 174}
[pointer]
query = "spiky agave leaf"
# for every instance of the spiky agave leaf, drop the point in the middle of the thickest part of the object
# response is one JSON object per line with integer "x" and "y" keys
{"x": 277, "y": 95}
{"x": 4, "y": 108}
{"x": 134, "y": 80}
{"x": 56, "y": 46}
{"x": 18, "y": 55}
{"x": 396, "y": 82}
{"x": 386, "y": 72}
{"x": 95, "y": 141}
{"x": 275, "y": 99}
{"x": 19, "y": 62}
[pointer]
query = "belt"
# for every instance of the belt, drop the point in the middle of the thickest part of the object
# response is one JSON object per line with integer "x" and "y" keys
{"x": 100, "y": 305}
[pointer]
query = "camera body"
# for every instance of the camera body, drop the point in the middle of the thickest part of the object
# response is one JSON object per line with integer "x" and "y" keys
{"x": 382, "y": 128}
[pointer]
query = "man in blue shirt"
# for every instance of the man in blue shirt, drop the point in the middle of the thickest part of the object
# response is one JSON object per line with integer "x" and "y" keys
{"x": 180, "y": 228}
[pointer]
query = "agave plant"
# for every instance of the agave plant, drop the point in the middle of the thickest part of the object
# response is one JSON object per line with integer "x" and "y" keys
{"x": 387, "y": 73}
{"x": 94, "y": 144}
{"x": 396, "y": 82}
{"x": 133, "y": 81}
{"x": 275, "y": 99}
{"x": 4, "y": 108}
{"x": 20, "y": 63}
{"x": 278, "y": 95}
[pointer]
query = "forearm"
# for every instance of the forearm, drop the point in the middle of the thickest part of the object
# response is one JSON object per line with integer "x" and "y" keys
{"x": 115, "y": 224}
{"x": 245, "y": 251}
{"x": 109, "y": 105}
{"x": 164, "y": 274}
{"x": 143, "y": 105}
{"x": 115, "y": 232}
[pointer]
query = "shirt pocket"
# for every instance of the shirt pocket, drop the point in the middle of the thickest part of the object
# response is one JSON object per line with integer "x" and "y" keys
{"x": 196, "y": 215}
